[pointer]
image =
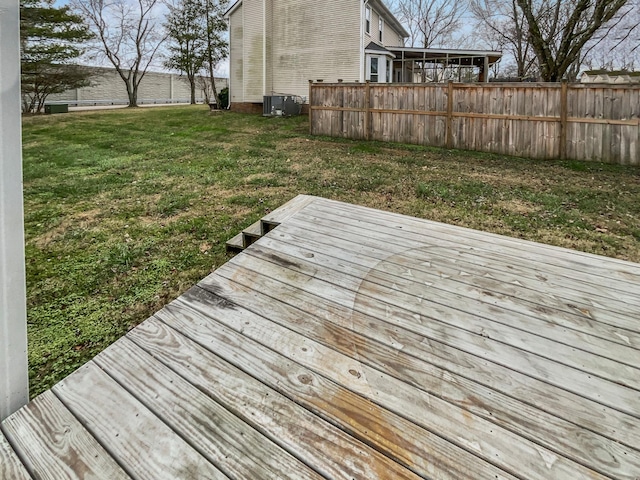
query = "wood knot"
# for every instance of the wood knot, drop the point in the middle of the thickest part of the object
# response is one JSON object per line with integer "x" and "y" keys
{"x": 305, "y": 379}
{"x": 355, "y": 373}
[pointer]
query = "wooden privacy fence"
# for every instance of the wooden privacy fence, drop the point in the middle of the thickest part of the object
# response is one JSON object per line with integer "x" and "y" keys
{"x": 541, "y": 120}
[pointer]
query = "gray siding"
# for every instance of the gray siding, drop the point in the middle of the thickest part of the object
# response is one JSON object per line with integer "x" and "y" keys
{"x": 108, "y": 87}
{"x": 236, "y": 55}
{"x": 314, "y": 40}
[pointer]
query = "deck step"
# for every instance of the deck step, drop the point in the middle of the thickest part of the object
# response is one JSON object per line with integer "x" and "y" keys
{"x": 235, "y": 244}
{"x": 252, "y": 233}
{"x": 267, "y": 223}
{"x": 280, "y": 214}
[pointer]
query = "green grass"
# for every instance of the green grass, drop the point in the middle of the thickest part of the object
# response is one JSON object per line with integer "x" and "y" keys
{"x": 126, "y": 209}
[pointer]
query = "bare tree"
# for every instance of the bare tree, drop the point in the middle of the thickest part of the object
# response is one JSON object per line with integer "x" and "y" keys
{"x": 128, "y": 36}
{"x": 559, "y": 30}
{"x": 217, "y": 48}
{"x": 502, "y": 24}
{"x": 619, "y": 46}
{"x": 431, "y": 23}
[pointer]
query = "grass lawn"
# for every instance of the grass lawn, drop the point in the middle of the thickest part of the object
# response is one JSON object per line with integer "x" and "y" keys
{"x": 126, "y": 209}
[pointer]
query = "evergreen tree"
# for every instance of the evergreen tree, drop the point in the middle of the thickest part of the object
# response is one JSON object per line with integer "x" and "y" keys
{"x": 196, "y": 31}
{"x": 186, "y": 30}
{"x": 51, "y": 40}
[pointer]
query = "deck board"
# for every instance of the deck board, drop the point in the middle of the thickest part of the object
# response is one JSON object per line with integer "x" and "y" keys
{"x": 441, "y": 322}
{"x": 55, "y": 445}
{"x": 350, "y": 343}
{"x": 10, "y": 465}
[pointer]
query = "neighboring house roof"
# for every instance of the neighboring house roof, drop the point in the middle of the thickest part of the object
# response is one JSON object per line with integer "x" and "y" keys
{"x": 610, "y": 76}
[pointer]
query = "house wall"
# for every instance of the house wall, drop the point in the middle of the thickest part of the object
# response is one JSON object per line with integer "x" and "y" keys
{"x": 253, "y": 78}
{"x": 236, "y": 55}
{"x": 300, "y": 41}
{"x": 314, "y": 40}
{"x": 391, "y": 38}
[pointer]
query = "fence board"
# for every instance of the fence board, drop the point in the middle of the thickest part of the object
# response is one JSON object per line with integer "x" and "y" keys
{"x": 602, "y": 121}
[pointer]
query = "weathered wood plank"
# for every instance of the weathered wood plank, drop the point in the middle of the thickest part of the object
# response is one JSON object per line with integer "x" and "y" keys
{"x": 220, "y": 436}
{"x": 594, "y": 416}
{"x": 486, "y": 439}
{"x": 285, "y": 211}
{"x": 543, "y": 121}
{"x": 263, "y": 312}
{"x": 54, "y": 445}
{"x": 566, "y": 308}
{"x": 138, "y": 440}
{"x": 332, "y": 452}
{"x": 481, "y": 292}
{"x": 402, "y": 225}
{"x": 585, "y": 298}
{"x": 482, "y": 315}
{"x": 616, "y": 275}
{"x": 11, "y": 468}
{"x": 393, "y": 306}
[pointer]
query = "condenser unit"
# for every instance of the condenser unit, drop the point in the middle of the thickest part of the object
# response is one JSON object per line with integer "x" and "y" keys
{"x": 281, "y": 105}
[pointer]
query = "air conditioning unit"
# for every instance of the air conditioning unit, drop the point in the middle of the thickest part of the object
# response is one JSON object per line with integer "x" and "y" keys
{"x": 281, "y": 105}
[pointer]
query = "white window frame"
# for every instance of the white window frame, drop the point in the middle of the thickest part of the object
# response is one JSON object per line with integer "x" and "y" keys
{"x": 385, "y": 65}
{"x": 367, "y": 19}
{"x": 380, "y": 28}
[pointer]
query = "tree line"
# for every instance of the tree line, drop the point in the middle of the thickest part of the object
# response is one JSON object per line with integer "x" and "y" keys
{"x": 549, "y": 40}
{"x": 185, "y": 35}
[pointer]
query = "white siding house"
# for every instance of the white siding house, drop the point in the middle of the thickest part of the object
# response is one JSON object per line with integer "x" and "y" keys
{"x": 277, "y": 46}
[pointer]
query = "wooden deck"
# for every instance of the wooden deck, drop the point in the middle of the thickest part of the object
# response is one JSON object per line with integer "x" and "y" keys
{"x": 351, "y": 343}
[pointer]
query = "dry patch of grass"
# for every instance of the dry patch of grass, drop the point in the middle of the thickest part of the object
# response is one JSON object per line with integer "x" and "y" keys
{"x": 126, "y": 209}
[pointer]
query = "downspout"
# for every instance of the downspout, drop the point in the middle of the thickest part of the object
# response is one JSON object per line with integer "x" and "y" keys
{"x": 264, "y": 47}
{"x": 363, "y": 6}
{"x": 229, "y": 97}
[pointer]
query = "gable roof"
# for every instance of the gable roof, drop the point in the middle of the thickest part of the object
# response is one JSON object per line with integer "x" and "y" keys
{"x": 388, "y": 17}
{"x": 230, "y": 10}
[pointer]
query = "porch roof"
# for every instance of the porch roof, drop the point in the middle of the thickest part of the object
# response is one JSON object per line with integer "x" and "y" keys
{"x": 451, "y": 56}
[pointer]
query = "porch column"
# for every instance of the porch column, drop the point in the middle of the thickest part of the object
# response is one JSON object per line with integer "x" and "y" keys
{"x": 14, "y": 377}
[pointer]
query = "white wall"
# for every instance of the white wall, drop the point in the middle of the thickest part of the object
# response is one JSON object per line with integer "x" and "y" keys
{"x": 14, "y": 379}
{"x": 108, "y": 86}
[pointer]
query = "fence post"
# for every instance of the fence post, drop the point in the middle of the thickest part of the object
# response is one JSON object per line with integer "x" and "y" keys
{"x": 563, "y": 120}
{"x": 14, "y": 377}
{"x": 310, "y": 107}
{"x": 448, "y": 134}
{"x": 367, "y": 107}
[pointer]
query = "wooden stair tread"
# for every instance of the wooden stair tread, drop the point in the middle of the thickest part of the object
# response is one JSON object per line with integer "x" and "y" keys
{"x": 267, "y": 223}
{"x": 235, "y": 244}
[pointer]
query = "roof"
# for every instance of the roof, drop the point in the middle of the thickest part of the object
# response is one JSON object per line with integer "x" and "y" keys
{"x": 230, "y": 10}
{"x": 388, "y": 17}
{"x": 611, "y": 72}
{"x": 374, "y": 48}
{"x": 456, "y": 56}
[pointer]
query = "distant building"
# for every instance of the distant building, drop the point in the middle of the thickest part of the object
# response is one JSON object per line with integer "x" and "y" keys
{"x": 610, "y": 76}
{"x": 107, "y": 88}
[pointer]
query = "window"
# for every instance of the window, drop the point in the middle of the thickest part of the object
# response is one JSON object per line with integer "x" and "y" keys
{"x": 374, "y": 70}
{"x": 380, "y": 29}
{"x": 367, "y": 19}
